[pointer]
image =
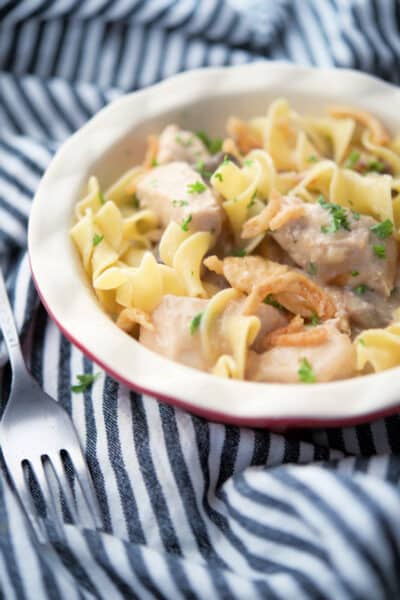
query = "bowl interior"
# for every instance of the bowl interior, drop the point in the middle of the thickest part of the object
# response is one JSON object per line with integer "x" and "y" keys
{"x": 114, "y": 141}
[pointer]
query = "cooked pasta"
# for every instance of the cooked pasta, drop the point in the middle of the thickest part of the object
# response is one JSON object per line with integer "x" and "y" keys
{"x": 270, "y": 255}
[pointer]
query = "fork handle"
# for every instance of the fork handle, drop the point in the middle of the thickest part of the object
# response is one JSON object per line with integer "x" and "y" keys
{"x": 9, "y": 331}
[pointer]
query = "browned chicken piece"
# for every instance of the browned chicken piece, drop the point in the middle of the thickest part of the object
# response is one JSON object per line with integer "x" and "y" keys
{"x": 176, "y": 144}
{"x": 367, "y": 310}
{"x": 352, "y": 255}
{"x": 333, "y": 358}
{"x": 261, "y": 278}
{"x": 176, "y": 192}
{"x": 173, "y": 336}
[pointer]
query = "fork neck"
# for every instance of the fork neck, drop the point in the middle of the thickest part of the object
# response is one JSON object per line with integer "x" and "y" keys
{"x": 10, "y": 334}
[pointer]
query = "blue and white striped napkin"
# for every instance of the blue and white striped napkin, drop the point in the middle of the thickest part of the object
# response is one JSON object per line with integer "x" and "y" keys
{"x": 191, "y": 509}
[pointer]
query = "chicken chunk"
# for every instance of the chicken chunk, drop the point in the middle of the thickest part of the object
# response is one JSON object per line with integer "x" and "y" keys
{"x": 334, "y": 359}
{"x": 342, "y": 252}
{"x": 175, "y": 144}
{"x": 176, "y": 192}
{"x": 173, "y": 336}
{"x": 271, "y": 319}
{"x": 365, "y": 311}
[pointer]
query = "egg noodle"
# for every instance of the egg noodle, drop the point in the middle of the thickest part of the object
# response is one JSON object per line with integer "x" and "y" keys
{"x": 270, "y": 255}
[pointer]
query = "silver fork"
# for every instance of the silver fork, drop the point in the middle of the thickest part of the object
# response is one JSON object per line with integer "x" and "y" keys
{"x": 36, "y": 433}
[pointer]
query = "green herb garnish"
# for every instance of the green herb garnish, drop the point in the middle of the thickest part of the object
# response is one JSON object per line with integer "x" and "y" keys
{"x": 102, "y": 200}
{"x": 135, "y": 202}
{"x": 376, "y": 165}
{"x": 383, "y": 230}
{"x": 312, "y": 158}
{"x": 200, "y": 166}
{"x": 179, "y": 139}
{"x": 97, "y": 239}
{"x": 272, "y": 302}
{"x": 356, "y": 215}
{"x": 305, "y": 372}
{"x": 315, "y": 320}
{"x": 185, "y": 223}
{"x": 196, "y": 188}
{"x": 154, "y": 162}
{"x": 361, "y": 341}
{"x": 85, "y": 382}
{"x": 180, "y": 203}
{"x": 218, "y": 176}
{"x": 353, "y": 159}
{"x": 361, "y": 289}
{"x": 379, "y": 250}
{"x": 338, "y": 214}
{"x": 195, "y": 323}
{"x": 354, "y": 273}
{"x": 240, "y": 252}
{"x": 248, "y": 162}
{"x": 212, "y": 145}
{"x": 312, "y": 268}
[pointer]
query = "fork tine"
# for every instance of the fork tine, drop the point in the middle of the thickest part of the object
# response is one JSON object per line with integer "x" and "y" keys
{"x": 58, "y": 468}
{"x": 84, "y": 477}
{"x": 19, "y": 479}
{"x": 42, "y": 479}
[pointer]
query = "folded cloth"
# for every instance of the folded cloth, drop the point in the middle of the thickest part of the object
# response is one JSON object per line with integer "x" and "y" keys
{"x": 191, "y": 509}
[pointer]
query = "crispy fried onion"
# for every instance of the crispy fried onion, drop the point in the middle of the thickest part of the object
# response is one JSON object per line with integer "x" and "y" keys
{"x": 151, "y": 152}
{"x": 260, "y": 222}
{"x": 259, "y": 277}
{"x": 245, "y": 138}
{"x": 272, "y": 217}
{"x": 128, "y": 318}
{"x": 378, "y": 132}
{"x": 296, "y": 335}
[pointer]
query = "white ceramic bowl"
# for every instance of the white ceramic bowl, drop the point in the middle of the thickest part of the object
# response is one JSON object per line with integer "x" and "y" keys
{"x": 113, "y": 141}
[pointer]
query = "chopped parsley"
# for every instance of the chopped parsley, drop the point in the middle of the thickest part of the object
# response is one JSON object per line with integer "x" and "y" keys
{"x": 135, "y": 201}
{"x": 305, "y": 372}
{"x": 240, "y": 252}
{"x": 226, "y": 160}
{"x": 376, "y": 165}
{"x": 338, "y": 214}
{"x": 212, "y": 145}
{"x": 353, "y": 159}
{"x": 355, "y": 273}
{"x": 356, "y": 215}
{"x": 154, "y": 162}
{"x": 312, "y": 268}
{"x": 379, "y": 250}
{"x": 85, "y": 382}
{"x": 315, "y": 320}
{"x": 252, "y": 202}
{"x": 200, "y": 166}
{"x": 361, "y": 289}
{"x": 248, "y": 162}
{"x": 272, "y": 302}
{"x": 195, "y": 323}
{"x": 185, "y": 223}
{"x": 179, "y": 139}
{"x": 361, "y": 341}
{"x": 97, "y": 239}
{"x": 218, "y": 176}
{"x": 383, "y": 230}
{"x": 312, "y": 158}
{"x": 180, "y": 203}
{"x": 102, "y": 200}
{"x": 196, "y": 188}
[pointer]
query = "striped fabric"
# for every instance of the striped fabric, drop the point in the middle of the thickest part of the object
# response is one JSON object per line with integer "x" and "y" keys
{"x": 191, "y": 509}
